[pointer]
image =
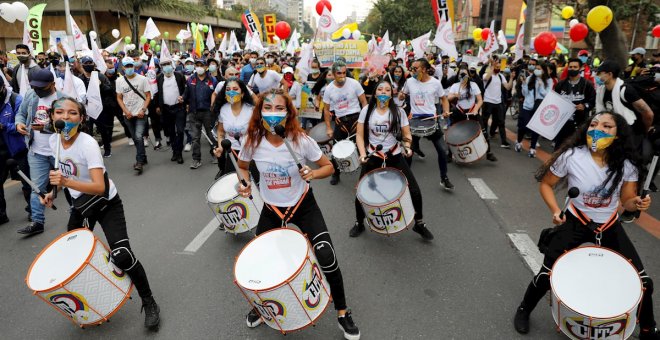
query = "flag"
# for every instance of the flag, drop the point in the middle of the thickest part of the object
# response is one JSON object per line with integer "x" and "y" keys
{"x": 223, "y": 44}
{"x": 256, "y": 43}
{"x": 501, "y": 38}
{"x": 251, "y": 23}
{"x": 52, "y": 70}
{"x": 338, "y": 34}
{"x": 150, "y": 30}
{"x": 98, "y": 58}
{"x": 24, "y": 84}
{"x": 164, "y": 51}
{"x": 419, "y": 44}
{"x": 269, "y": 22}
{"x": 151, "y": 76}
{"x": 210, "y": 42}
{"x": 26, "y": 37}
{"x": 33, "y": 26}
{"x": 444, "y": 38}
{"x": 94, "y": 103}
{"x": 523, "y": 15}
{"x": 327, "y": 23}
{"x": 69, "y": 87}
{"x": 491, "y": 43}
{"x": 304, "y": 65}
{"x": 402, "y": 52}
{"x": 372, "y": 45}
{"x": 198, "y": 43}
{"x": 519, "y": 50}
{"x": 551, "y": 115}
{"x": 443, "y": 10}
{"x": 113, "y": 48}
{"x": 79, "y": 41}
{"x": 385, "y": 45}
{"x": 233, "y": 43}
{"x": 184, "y": 34}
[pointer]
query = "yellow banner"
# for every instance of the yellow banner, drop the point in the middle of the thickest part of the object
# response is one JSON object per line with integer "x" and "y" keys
{"x": 351, "y": 50}
{"x": 269, "y": 22}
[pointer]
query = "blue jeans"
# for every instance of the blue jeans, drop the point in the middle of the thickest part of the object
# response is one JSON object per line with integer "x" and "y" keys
{"x": 40, "y": 167}
{"x": 137, "y": 127}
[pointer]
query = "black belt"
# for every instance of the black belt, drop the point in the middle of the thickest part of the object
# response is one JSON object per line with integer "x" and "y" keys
{"x": 173, "y": 106}
{"x": 348, "y": 118}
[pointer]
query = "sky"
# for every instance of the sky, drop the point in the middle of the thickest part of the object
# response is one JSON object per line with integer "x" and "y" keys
{"x": 341, "y": 9}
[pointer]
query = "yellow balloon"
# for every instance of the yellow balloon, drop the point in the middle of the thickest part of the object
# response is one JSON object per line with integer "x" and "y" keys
{"x": 567, "y": 12}
{"x": 599, "y": 18}
{"x": 476, "y": 34}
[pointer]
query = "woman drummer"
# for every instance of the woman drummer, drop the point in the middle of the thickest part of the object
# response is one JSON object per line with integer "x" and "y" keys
{"x": 82, "y": 174}
{"x": 286, "y": 195}
{"x": 382, "y": 122}
{"x": 601, "y": 163}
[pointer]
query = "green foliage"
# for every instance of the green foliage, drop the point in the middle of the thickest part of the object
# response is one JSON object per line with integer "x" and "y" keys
{"x": 405, "y": 19}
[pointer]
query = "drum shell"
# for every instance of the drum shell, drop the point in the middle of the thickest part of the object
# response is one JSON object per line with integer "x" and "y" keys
{"x": 420, "y": 128}
{"x": 238, "y": 214}
{"x": 318, "y": 133}
{"x": 472, "y": 149}
{"x": 399, "y": 210}
{"x": 348, "y": 163}
{"x": 576, "y": 325}
{"x": 94, "y": 293}
{"x": 296, "y": 303}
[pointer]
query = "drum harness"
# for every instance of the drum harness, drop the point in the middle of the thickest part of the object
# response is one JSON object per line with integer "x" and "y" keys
{"x": 342, "y": 122}
{"x": 597, "y": 228}
{"x": 288, "y": 213}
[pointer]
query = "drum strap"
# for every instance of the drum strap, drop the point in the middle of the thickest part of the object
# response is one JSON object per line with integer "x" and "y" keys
{"x": 463, "y": 110}
{"x": 343, "y": 123}
{"x": 288, "y": 213}
{"x": 585, "y": 220}
{"x": 384, "y": 155}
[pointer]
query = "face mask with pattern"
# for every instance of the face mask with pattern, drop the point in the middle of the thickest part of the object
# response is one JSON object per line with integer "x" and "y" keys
{"x": 271, "y": 119}
{"x": 599, "y": 140}
{"x": 232, "y": 96}
{"x": 70, "y": 129}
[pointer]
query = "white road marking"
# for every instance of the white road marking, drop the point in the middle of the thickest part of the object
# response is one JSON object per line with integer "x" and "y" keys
{"x": 203, "y": 235}
{"x": 482, "y": 189}
{"x": 528, "y": 250}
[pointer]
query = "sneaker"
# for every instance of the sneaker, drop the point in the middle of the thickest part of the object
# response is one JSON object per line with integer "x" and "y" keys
{"x": 521, "y": 321}
{"x": 3, "y": 219}
{"x": 446, "y": 184}
{"x": 253, "y": 319}
{"x": 491, "y": 157}
{"x": 531, "y": 153}
{"x": 158, "y": 145}
{"x": 347, "y": 325}
{"x": 151, "y": 313}
{"x": 146, "y": 141}
{"x": 420, "y": 228}
{"x": 173, "y": 159}
{"x": 214, "y": 160}
{"x": 505, "y": 146}
{"x": 653, "y": 187}
{"x": 195, "y": 164}
{"x": 179, "y": 159}
{"x": 32, "y": 229}
{"x": 450, "y": 157}
{"x": 107, "y": 154}
{"x": 518, "y": 147}
{"x": 627, "y": 217}
{"x": 335, "y": 178}
{"x": 131, "y": 142}
{"x": 357, "y": 229}
{"x": 187, "y": 147}
{"x": 167, "y": 141}
{"x": 139, "y": 167}
{"x": 649, "y": 334}
{"x": 420, "y": 154}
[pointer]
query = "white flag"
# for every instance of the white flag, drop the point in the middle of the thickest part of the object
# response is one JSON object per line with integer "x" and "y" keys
{"x": 79, "y": 41}
{"x": 444, "y": 38}
{"x": 210, "y": 42}
{"x": 491, "y": 43}
{"x": 184, "y": 34}
{"x": 385, "y": 45}
{"x": 98, "y": 58}
{"x": 402, "y": 52}
{"x": 304, "y": 65}
{"x": 113, "y": 48}
{"x": 256, "y": 43}
{"x": 150, "y": 30}
{"x": 519, "y": 50}
{"x": 164, "y": 51}
{"x": 233, "y": 43}
{"x": 69, "y": 87}
{"x": 482, "y": 55}
{"x": 151, "y": 76}
{"x": 501, "y": 38}
{"x": 94, "y": 103}
{"x": 52, "y": 70}
{"x": 248, "y": 42}
{"x": 327, "y": 23}
{"x": 551, "y": 115}
{"x": 372, "y": 45}
{"x": 419, "y": 44}
{"x": 223, "y": 44}
{"x": 26, "y": 37}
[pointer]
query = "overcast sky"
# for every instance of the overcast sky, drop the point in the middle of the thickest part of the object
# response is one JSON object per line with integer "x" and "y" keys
{"x": 341, "y": 9}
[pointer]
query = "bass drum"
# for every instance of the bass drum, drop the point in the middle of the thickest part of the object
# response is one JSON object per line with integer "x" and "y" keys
{"x": 466, "y": 142}
{"x": 318, "y": 133}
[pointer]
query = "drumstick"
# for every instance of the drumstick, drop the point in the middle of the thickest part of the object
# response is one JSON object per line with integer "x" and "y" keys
{"x": 11, "y": 163}
{"x": 647, "y": 181}
{"x": 572, "y": 193}
{"x": 432, "y": 117}
{"x": 279, "y": 130}
{"x": 59, "y": 125}
{"x": 226, "y": 146}
{"x": 207, "y": 138}
{"x": 378, "y": 148}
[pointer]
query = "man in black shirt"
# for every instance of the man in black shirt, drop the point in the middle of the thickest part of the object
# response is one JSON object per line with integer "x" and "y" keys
{"x": 579, "y": 91}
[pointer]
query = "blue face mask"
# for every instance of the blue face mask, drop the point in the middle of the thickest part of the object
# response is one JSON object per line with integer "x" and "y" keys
{"x": 599, "y": 140}
{"x": 599, "y": 81}
{"x": 383, "y": 99}
{"x": 111, "y": 71}
{"x": 272, "y": 119}
{"x": 168, "y": 69}
{"x": 232, "y": 96}
{"x": 232, "y": 78}
{"x": 59, "y": 74}
{"x": 129, "y": 71}
{"x": 190, "y": 68}
{"x": 396, "y": 78}
{"x": 70, "y": 129}
{"x": 583, "y": 59}
{"x": 531, "y": 67}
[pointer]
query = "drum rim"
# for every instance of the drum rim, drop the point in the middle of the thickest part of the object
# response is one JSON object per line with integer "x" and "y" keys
{"x": 636, "y": 305}
{"x": 216, "y": 181}
{"x": 459, "y": 123}
{"x": 357, "y": 193}
{"x": 288, "y": 280}
{"x": 72, "y": 276}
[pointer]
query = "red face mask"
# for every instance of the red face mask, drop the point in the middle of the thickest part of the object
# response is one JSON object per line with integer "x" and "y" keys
{"x": 289, "y": 78}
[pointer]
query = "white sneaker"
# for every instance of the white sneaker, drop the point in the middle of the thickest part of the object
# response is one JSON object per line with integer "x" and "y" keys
{"x": 518, "y": 147}
{"x": 146, "y": 141}
{"x": 131, "y": 142}
{"x": 532, "y": 153}
{"x": 187, "y": 147}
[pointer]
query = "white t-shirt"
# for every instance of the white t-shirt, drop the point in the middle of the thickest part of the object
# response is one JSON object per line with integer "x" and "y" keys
{"x": 281, "y": 184}
{"x": 343, "y": 100}
{"x": 379, "y": 128}
{"x": 271, "y": 80}
{"x": 465, "y": 102}
{"x": 235, "y": 124}
{"x": 76, "y": 161}
{"x": 493, "y": 93}
{"x": 41, "y": 116}
{"x": 133, "y": 102}
{"x": 170, "y": 90}
{"x": 586, "y": 175}
{"x": 423, "y": 96}
{"x": 296, "y": 92}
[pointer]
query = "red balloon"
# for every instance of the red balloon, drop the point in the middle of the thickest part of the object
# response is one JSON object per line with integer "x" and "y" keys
{"x": 579, "y": 32}
{"x": 379, "y": 39}
{"x": 656, "y": 31}
{"x": 545, "y": 43}
{"x": 282, "y": 29}
{"x": 485, "y": 33}
{"x": 321, "y": 4}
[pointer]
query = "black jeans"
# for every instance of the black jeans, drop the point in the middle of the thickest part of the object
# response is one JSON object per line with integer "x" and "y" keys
{"x": 113, "y": 222}
{"x": 344, "y": 127}
{"x": 436, "y": 139}
{"x": 5, "y": 172}
{"x": 397, "y": 162}
{"x": 174, "y": 122}
{"x": 497, "y": 112}
{"x": 309, "y": 219}
{"x": 155, "y": 121}
{"x": 103, "y": 125}
{"x": 571, "y": 235}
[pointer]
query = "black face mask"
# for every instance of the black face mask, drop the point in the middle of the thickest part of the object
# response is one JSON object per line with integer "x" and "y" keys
{"x": 42, "y": 93}
{"x": 54, "y": 62}
{"x": 573, "y": 73}
{"x": 88, "y": 68}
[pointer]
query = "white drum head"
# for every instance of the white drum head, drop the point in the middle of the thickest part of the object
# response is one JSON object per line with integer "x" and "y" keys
{"x": 343, "y": 149}
{"x": 270, "y": 259}
{"x": 381, "y": 186}
{"x": 596, "y": 282}
{"x": 224, "y": 189}
{"x": 59, "y": 261}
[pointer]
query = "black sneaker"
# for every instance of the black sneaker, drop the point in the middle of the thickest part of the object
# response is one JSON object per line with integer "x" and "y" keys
{"x": 446, "y": 184}
{"x": 420, "y": 154}
{"x": 346, "y": 324}
{"x": 627, "y": 217}
{"x": 174, "y": 158}
{"x": 420, "y": 228}
{"x": 505, "y": 145}
{"x": 649, "y": 334}
{"x": 32, "y": 229}
{"x": 179, "y": 159}
{"x": 357, "y": 229}
{"x": 107, "y": 153}
{"x": 335, "y": 178}
{"x": 151, "y": 313}
{"x": 138, "y": 167}
{"x": 3, "y": 219}
{"x": 158, "y": 145}
{"x": 491, "y": 157}
{"x": 253, "y": 319}
{"x": 521, "y": 321}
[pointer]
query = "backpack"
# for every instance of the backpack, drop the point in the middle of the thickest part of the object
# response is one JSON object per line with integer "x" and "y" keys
{"x": 647, "y": 89}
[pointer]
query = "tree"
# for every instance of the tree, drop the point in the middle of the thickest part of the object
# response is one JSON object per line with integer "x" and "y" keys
{"x": 405, "y": 19}
{"x": 132, "y": 9}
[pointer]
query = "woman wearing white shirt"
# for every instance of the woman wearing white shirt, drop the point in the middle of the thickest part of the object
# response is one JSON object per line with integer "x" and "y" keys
{"x": 285, "y": 193}
{"x": 534, "y": 90}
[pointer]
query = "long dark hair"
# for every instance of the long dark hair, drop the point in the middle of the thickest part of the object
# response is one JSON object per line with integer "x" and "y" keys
{"x": 532, "y": 80}
{"x": 79, "y": 106}
{"x": 246, "y": 98}
{"x": 394, "y": 115}
{"x": 468, "y": 86}
{"x": 402, "y": 80}
{"x": 621, "y": 150}
{"x": 320, "y": 83}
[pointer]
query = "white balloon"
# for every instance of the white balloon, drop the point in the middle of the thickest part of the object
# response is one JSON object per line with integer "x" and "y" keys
{"x": 115, "y": 33}
{"x": 92, "y": 34}
{"x": 21, "y": 11}
{"x": 7, "y": 12}
{"x": 356, "y": 34}
{"x": 573, "y": 23}
{"x": 346, "y": 33}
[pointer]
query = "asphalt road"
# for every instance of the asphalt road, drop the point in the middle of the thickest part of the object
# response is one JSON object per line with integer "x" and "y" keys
{"x": 465, "y": 284}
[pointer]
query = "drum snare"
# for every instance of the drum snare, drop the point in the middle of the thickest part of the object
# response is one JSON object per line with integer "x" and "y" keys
{"x": 318, "y": 133}
{"x": 238, "y": 214}
{"x": 423, "y": 127}
{"x": 346, "y": 155}
{"x": 386, "y": 200}
{"x": 466, "y": 142}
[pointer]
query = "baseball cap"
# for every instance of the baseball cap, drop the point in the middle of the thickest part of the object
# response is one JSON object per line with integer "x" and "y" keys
{"x": 287, "y": 70}
{"x": 128, "y": 61}
{"x": 189, "y": 60}
{"x": 86, "y": 59}
{"x": 200, "y": 61}
{"x": 609, "y": 66}
{"x": 583, "y": 52}
{"x": 638, "y": 50}
{"x": 42, "y": 78}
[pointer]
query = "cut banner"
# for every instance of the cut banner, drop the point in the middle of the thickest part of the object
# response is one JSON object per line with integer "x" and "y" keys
{"x": 551, "y": 115}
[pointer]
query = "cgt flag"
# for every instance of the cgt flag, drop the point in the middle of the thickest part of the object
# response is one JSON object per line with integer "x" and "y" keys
{"x": 443, "y": 10}
{"x": 33, "y": 27}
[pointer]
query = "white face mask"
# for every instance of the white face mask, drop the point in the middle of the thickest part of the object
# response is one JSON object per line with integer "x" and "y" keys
{"x": 269, "y": 60}
{"x": 538, "y": 73}
{"x": 200, "y": 70}
{"x": 253, "y": 60}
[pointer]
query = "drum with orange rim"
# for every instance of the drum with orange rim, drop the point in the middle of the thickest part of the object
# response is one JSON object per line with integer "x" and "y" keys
{"x": 279, "y": 275}
{"x": 74, "y": 275}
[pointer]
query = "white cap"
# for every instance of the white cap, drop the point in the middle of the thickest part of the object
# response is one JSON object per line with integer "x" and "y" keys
{"x": 127, "y": 61}
{"x": 287, "y": 69}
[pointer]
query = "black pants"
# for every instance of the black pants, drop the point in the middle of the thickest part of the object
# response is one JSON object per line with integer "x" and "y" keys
{"x": 154, "y": 121}
{"x": 397, "y": 162}
{"x": 5, "y": 172}
{"x": 113, "y": 222}
{"x": 458, "y": 116}
{"x": 174, "y": 122}
{"x": 572, "y": 234}
{"x": 103, "y": 125}
{"x": 496, "y": 111}
{"x": 523, "y": 119}
{"x": 344, "y": 127}
{"x": 436, "y": 138}
{"x": 309, "y": 219}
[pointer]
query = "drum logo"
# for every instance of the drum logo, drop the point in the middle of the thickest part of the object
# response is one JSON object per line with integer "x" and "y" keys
{"x": 579, "y": 327}
{"x": 116, "y": 272}
{"x": 71, "y": 304}
{"x": 312, "y": 290}
{"x": 549, "y": 115}
{"x": 464, "y": 152}
{"x": 345, "y": 164}
{"x": 270, "y": 309}
{"x": 233, "y": 214}
{"x": 386, "y": 219}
